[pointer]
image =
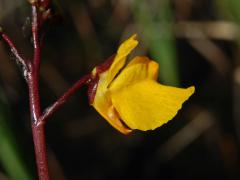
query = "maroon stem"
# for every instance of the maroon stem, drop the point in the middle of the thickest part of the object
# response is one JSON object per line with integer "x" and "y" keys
{"x": 36, "y": 40}
{"x": 19, "y": 58}
{"x": 40, "y": 151}
{"x": 38, "y": 129}
{"x": 58, "y": 103}
{"x": 31, "y": 73}
{"x": 39, "y": 119}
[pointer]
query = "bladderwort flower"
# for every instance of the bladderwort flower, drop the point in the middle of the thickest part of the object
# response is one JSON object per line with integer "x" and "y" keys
{"x": 129, "y": 97}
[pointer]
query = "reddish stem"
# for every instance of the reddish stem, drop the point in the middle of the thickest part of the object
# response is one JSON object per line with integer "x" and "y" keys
{"x": 36, "y": 40}
{"x": 38, "y": 129}
{"x": 39, "y": 119}
{"x": 32, "y": 77}
{"x": 40, "y": 151}
{"x": 54, "y": 107}
{"x": 31, "y": 73}
{"x": 20, "y": 60}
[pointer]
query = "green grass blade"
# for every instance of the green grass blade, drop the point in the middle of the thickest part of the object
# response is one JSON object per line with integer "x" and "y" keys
{"x": 9, "y": 155}
{"x": 155, "y": 23}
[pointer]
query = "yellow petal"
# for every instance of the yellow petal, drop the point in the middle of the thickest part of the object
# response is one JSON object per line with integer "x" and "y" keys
{"x": 138, "y": 69}
{"x": 119, "y": 61}
{"x": 147, "y": 105}
{"x": 102, "y": 102}
{"x": 152, "y": 66}
{"x": 103, "y": 105}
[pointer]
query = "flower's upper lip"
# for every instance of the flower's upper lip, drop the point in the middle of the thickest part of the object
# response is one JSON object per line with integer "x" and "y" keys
{"x": 105, "y": 74}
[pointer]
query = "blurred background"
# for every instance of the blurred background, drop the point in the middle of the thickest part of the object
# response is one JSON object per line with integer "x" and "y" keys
{"x": 196, "y": 42}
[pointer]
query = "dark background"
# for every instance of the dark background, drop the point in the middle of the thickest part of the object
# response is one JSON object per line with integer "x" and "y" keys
{"x": 196, "y": 42}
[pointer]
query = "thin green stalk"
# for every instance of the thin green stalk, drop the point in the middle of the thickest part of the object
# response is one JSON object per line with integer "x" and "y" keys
{"x": 155, "y": 24}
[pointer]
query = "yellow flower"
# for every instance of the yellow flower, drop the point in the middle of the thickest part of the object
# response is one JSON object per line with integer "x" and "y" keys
{"x": 130, "y": 97}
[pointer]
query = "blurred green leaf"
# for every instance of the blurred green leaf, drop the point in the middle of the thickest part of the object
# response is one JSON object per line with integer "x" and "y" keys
{"x": 9, "y": 155}
{"x": 155, "y": 23}
{"x": 229, "y": 9}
